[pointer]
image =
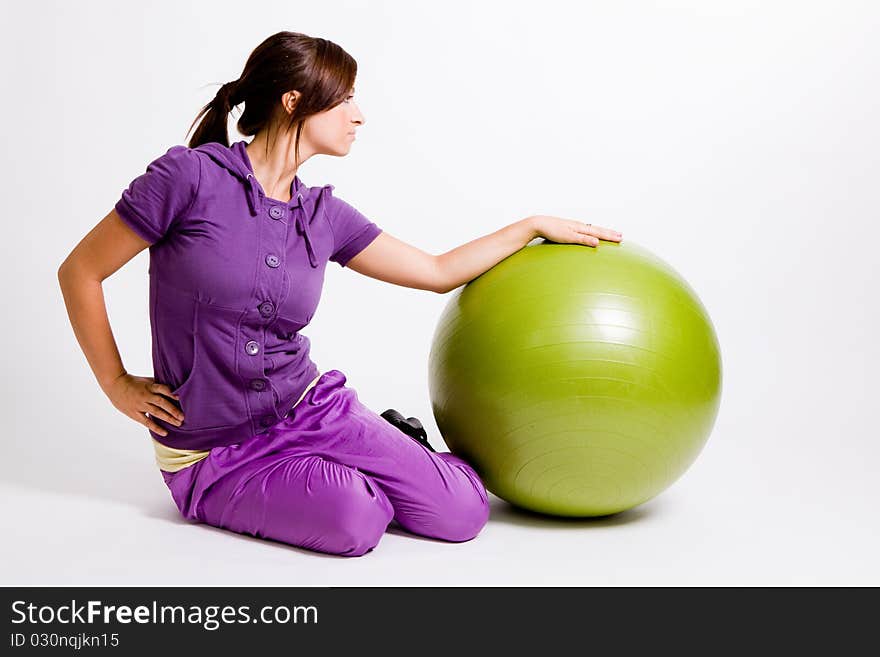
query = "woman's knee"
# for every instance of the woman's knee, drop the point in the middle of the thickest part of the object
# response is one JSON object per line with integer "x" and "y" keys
{"x": 361, "y": 514}
{"x": 459, "y": 514}
{"x": 456, "y": 512}
{"x": 471, "y": 505}
{"x": 464, "y": 517}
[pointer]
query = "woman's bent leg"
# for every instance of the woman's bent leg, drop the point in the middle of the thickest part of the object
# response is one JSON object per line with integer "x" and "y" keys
{"x": 302, "y": 500}
{"x": 330, "y": 477}
{"x": 434, "y": 494}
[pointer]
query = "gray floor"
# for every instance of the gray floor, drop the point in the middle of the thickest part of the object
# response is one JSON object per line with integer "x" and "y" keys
{"x": 737, "y": 517}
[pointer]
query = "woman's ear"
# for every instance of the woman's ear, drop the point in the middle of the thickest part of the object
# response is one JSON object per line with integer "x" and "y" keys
{"x": 289, "y": 100}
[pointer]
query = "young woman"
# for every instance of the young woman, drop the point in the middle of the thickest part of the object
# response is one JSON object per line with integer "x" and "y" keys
{"x": 249, "y": 435}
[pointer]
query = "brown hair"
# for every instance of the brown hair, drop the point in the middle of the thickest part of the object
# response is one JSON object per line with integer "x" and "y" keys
{"x": 320, "y": 70}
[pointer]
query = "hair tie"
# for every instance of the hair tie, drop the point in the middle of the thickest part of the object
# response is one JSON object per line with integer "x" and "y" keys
{"x": 227, "y": 93}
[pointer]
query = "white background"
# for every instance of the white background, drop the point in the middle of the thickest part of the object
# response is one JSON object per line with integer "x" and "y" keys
{"x": 736, "y": 140}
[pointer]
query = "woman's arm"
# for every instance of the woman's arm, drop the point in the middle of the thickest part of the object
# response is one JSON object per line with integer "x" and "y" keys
{"x": 388, "y": 259}
{"x": 107, "y": 247}
{"x": 464, "y": 263}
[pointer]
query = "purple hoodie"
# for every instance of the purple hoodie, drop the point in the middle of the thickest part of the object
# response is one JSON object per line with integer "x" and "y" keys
{"x": 234, "y": 277}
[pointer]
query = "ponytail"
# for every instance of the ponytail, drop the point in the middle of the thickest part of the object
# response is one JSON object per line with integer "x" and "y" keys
{"x": 216, "y": 114}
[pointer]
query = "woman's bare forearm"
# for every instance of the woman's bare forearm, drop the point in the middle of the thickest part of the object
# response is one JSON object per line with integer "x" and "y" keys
{"x": 466, "y": 262}
{"x": 84, "y": 298}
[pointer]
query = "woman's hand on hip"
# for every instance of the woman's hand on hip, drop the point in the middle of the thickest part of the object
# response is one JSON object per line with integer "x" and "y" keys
{"x": 142, "y": 399}
{"x": 570, "y": 231}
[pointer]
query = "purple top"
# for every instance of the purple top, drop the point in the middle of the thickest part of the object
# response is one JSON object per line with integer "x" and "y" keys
{"x": 234, "y": 277}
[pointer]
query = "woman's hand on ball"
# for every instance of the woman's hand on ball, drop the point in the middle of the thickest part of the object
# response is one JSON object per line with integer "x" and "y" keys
{"x": 142, "y": 399}
{"x": 570, "y": 231}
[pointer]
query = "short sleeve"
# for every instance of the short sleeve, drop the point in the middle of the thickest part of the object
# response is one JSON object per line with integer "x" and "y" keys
{"x": 352, "y": 231}
{"x": 165, "y": 191}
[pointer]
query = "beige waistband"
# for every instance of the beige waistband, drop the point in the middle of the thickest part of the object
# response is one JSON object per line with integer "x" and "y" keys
{"x": 171, "y": 459}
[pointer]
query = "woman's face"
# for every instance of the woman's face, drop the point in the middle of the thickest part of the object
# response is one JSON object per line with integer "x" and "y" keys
{"x": 332, "y": 132}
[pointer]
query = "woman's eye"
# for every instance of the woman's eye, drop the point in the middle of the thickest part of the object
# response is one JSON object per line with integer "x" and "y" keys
{"x": 349, "y": 98}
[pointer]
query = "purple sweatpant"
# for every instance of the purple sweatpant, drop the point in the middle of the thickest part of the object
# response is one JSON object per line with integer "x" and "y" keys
{"x": 330, "y": 477}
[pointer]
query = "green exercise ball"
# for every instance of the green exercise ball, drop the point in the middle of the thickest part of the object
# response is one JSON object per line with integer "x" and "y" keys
{"x": 577, "y": 381}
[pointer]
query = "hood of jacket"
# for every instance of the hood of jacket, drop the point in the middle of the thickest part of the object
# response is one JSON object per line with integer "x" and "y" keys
{"x": 303, "y": 199}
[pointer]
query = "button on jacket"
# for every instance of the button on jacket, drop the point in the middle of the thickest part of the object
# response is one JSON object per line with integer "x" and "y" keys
{"x": 234, "y": 277}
